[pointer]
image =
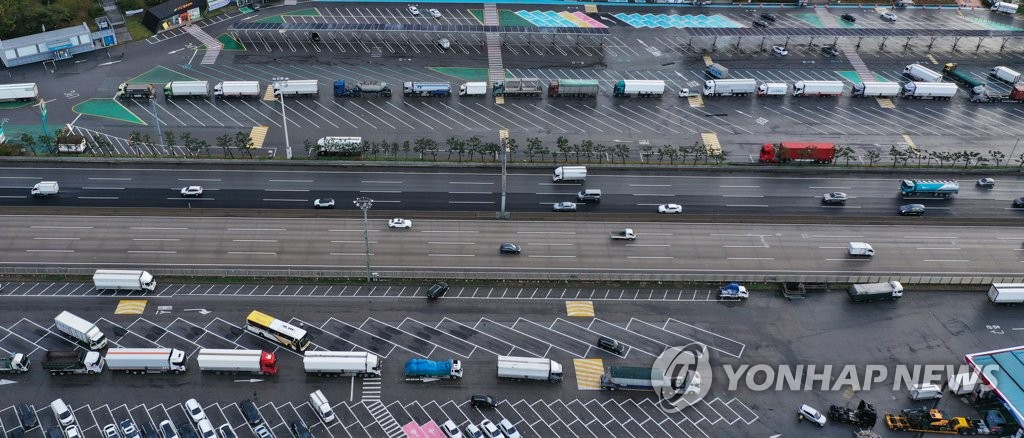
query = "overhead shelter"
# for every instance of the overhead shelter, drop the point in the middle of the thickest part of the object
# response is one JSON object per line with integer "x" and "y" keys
{"x": 1003, "y": 370}
{"x": 858, "y": 33}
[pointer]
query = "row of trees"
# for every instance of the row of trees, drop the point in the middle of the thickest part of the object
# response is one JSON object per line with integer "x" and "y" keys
{"x": 901, "y": 156}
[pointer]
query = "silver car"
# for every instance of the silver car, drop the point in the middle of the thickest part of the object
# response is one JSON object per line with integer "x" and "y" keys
{"x": 564, "y": 206}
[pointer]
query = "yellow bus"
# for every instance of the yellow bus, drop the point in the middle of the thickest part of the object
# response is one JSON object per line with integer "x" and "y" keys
{"x": 266, "y": 326}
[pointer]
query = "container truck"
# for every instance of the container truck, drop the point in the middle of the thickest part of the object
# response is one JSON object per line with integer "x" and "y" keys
{"x": 321, "y": 406}
{"x": 639, "y": 88}
{"x": 717, "y": 71}
{"x": 772, "y": 89}
{"x": 473, "y": 89}
{"x": 15, "y": 364}
{"x": 242, "y": 89}
{"x": 962, "y": 78}
{"x": 187, "y": 89}
{"x": 729, "y": 87}
{"x": 574, "y": 88}
{"x": 890, "y": 290}
{"x": 19, "y": 92}
{"x": 797, "y": 151}
{"x": 342, "y": 363}
{"x": 921, "y": 73}
{"x": 818, "y": 88}
{"x": 298, "y": 87}
{"x": 1006, "y": 293}
{"x": 427, "y": 89}
{"x": 237, "y": 361}
{"x": 135, "y": 91}
{"x": 117, "y": 279}
{"x": 341, "y": 89}
{"x": 529, "y": 368}
{"x": 1004, "y": 7}
{"x": 1005, "y": 74}
{"x": 147, "y": 360}
{"x": 620, "y": 377}
{"x": 928, "y": 188}
{"x": 426, "y": 370}
{"x": 983, "y": 95}
{"x": 569, "y": 173}
{"x": 45, "y": 188}
{"x": 60, "y": 363}
{"x": 530, "y": 87}
{"x": 876, "y": 89}
{"x": 929, "y": 90}
{"x": 81, "y": 330}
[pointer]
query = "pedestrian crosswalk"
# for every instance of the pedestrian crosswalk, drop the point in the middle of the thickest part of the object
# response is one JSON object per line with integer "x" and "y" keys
{"x": 695, "y": 101}
{"x": 258, "y": 135}
{"x": 371, "y": 389}
{"x": 213, "y": 47}
{"x": 130, "y": 307}
{"x": 885, "y": 102}
{"x": 268, "y": 94}
{"x": 384, "y": 418}
{"x": 588, "y": 373}
{"x": 579, "y": 308}
{"x": 711, "y": 145}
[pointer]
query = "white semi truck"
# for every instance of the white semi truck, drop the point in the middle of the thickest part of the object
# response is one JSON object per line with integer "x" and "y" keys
{"x": 876, "y": 89}
{"x": 729, "y": 87}
{"x": 187, "y": 89}
{"x": 81, "y": 330}
{"x": 147, "y": 360}
{"x": 242, "y": 89}
{"x": 817, "y": 88}
{"x": 19, "y": 92}
{"x": 639, "y": 87}
{"x": 569, "y": 173}
{"x": 529, "y": 368}
{"x": 1006, "y": 293}
{"x": 16, "y": 363}
{"x": 117, "y": 279}
{"x": 930, "y": 90}
{"x": 921, "y": 73}
{"x": 300, "y": 87}
{"x": 342, "y": 363}
{"x": 237, "y": 361}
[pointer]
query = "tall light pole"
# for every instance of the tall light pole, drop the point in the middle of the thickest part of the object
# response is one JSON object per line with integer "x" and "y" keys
{"x": 364, "y": 204}
{"x": 279, "y": 85}
{"x": 1014, "y": 149}
{"x": 503, "y": 144}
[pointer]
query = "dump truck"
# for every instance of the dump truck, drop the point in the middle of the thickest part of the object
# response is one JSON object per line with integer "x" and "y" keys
{"x": 222, "y": 361}
{"x": 913, "y": 188}
{"x": 717, "y": 71}
{"x": 187, "y": 89}
{"x": 729, "y": 87}
{"x": 921, "y": 73}
{"x": 626, "y": 234}
{"x": 890, "y": 290}
{"x": 983, "y": 95}
{"x": 473, "y": 89}
{"x": 1004, "y": 7}
{"x": 343, "y": 89}
{"x": 297, "y": 87}
{"x": 135, "y": 91}
{"x": 864, "y": 416}
{"x": 929, "y": 90}
{"x": 123, "y": 279}
{"x": 528, "y": 87}
{"x": 80, "y": 330}
{"x": 818, "y": 88}
{"x": 931, "y": 421}
{"x": 14, "y": 364}
{"x": 426, "y": 370}
{"x": 60, "y": 363}
{"x": 19, "y": 92}
{"x": 1006, "y": 293}
{"x": 342, "y": 363}
{"x": 242, "y": 89}
{"x": 573, "y": 88}
{"x": 529, "y": 368}
{"x": 427, "y": 89}
{"x": 797, "y": 151}
{"x": 959, "y": 77}
{"x": 876, "y": 89}
{"x": 639, "y": 88}
{"x": 147, "y": 360}
{"x": 1005, "y": 74}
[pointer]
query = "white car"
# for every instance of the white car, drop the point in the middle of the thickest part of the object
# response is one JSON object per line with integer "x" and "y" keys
{"x": 414, "y": 10}
{"x": 834, "y": 198}
{"x": 195, "y": 410}
{"x": 490, "y": 430}
{"x": 195, "y": 191}
{"x": 434, "y": 13}
{"x": 473, "y": 432}
{"x": 399, "y": 223}
{"x": 444, "y": 43}
{"x": 685, "y": 92}
{"x": 508, "y": 429}
{"x": 810, "y": 414}
{"x": 779, "y": 51}
{"x": 670, "y": 208}
{"x": 451, "y": 430}
{"x": 986, "y": 182}
{"x": 205, "y": 429}
{"x": 73, "y": 431}
{"x": 110, "y": 431}
{"x": 323, "y": 203}
{"x": 889, "y": 16}
{"x": 564, "y": 206}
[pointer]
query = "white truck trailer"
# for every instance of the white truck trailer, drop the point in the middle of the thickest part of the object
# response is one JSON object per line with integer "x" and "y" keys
{"x": 81, "y": 330}
{"x": 1004, "y": 7}
{"x": 921, "y": 73}
{"x": 123, "y": 279}
{"x": 641, "y": 88}
{"x": 569, "y": 173}
{"x": 876, "y": 89}
{"x": 729, "y": 87}
{"x": 1005, "y": 74}
{"x": 242, "y": 89}
{"x": 147, "y": 360}
{"x": 818, "y": 88}
{"x": 772, "y": 89}
{"x": 237, "y": 361}
{"x": 298, "y": 87}
{"x": 930, "y": 90}
{"x": 19, "y": 92}
{"x": 1006, "y": 293}
{"x": 45, "y": 188}
{"x": 187, "y": 89}
{"x": 529, "y": 368}
{"x": 342, "y": 363}
{"x": 473, "y": 89}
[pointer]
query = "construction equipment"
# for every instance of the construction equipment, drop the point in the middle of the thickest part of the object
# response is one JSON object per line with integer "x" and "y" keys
{"x": 932, "y": 421}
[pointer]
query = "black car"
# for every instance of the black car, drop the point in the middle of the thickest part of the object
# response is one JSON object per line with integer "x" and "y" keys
{"x": 911, "y": 210}
{"x": 770, "y": 17}
{"x": 300, "y": 430}
{"x": 611, "y": 345}
{"x": 54, "y": 432}
{"x": 149, "y": 431}
{"x": 185, "y": 430}
{"x": 850, "y": 18}
{"x": 1018, "y": 203}
{"x": 27, "y": 416}
{"x": 251, "y": 412}
{"x": 437, "y": 290}
{"x": 510, "y": 248}
{"x": 760, "y": 23}
{"x": 483, "y": 401}
{"x": 17, "y": 432}
{"x": 830, "y": 51}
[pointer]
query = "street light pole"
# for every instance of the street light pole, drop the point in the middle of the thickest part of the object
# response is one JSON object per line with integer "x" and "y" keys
{"x": 364, "y": 204}
{"x": 279, "y": 85}
{"x": 503, "y": 144}
{"x": 1014, "y": 148}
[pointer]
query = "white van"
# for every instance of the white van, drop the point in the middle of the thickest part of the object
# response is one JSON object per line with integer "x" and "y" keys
{"x": 925, "y": 391}
{"x": 63, "y": 412}
{"x": 321, "y": 406}
{"x": 589, "y": 195}
{"x": 861, "y": 249}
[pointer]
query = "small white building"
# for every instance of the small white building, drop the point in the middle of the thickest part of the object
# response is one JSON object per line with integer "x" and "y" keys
{"x": 55, "y": 45}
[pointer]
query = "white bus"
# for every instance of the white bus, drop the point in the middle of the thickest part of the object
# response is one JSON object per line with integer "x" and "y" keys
{"x": 268, "y": 327}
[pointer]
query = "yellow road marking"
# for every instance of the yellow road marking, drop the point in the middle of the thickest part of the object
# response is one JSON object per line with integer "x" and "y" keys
{"x": 707, "y": 61}
{"x": 932, "y": 58}
{"x": 696, "y": 101}
{"x": 886, "y": 102}
{"x": 588, "y": 373}
{"x": 711, "y": 145}
{"x": 580, "y": 308}
{"x": 269, "y": 94}
{"x": 590, "y": 8}
{"x": 130, "y": 307}
{"x": 258, "y": 134}
{"x": 909, "y": 142}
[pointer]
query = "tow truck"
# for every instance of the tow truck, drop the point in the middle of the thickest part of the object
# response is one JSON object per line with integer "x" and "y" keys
{"x": 933, "y": 421}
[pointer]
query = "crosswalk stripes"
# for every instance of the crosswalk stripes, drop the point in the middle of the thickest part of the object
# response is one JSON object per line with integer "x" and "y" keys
{"x": 588, "y": 373}
{"x": 213, "y": 47}
{"x": 258, "y": 135}
{"x": 130, "y": 307}
{"x": 269, "y": 94}
{"x": 711, "y": 145}
{"x": 384, "y": 419}
{"x": 371, "y": 389}
{"x": 885, "y": 102}
{"x": 579, "y": 308}
{"x": 695, "y": 101}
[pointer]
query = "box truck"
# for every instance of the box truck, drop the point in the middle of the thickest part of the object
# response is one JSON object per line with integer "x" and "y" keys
{"x": 426, "y": 370}
{"x": 81, "y": 330}
{"x": 321, "y": 406}
{"x": 60, "y": 363}
{"x": 929, "y": 90}
{"x": 717, "y": 71}
{"x": 529, "y": 368}
{"x": 45, "y": 188}
{"x": 772, "y": 89}
{"x": 639, "y": 88}
{"x": 473, "y": 89}
{"x": 574, "y": 87}
{"x": 15, "y": 364}
{"x": 242, "y": 89}
{"x": 237, "y": 361}
{"x": 925, "y": 391}
{"x": 569, "y": 173}
{"x": 890, "y": 290}
{"x": 19, "y": 92}
{"x": 921, "y": 73}
{"x": 187, "y": 89}
{"x": 1005, "y": 74}
{"x": 729, "y": 87}
{"x": 342, "y": 363}
{"x": 147, "y": 360}
{"x": 118, "y": 279}
{"x": 876, "y": 89}
{"x": 1006, "y": 293}
{"x": 296, "y": 88}
{"x": 818, "y": 88}
{"x": 861, "y": 249}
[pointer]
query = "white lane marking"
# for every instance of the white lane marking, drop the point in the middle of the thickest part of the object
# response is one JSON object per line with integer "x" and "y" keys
{"x": 193, "y": 199}
{"x": 380, "y": 191}
{"x": 103, "y": 188}
{"x": 470, "y": 202}
{"x": 828, "y": 188}
{"x": 152, "y": 252}
{"x": 381, "y": 182}
{"x": 98, "y": 197}
{"x": 546, "y": 232}
{"x": 836, "y": 237}
{"x": 360, "y": 254}
{"x": 285, "y": 190}
{"x": 49, "y": 250}
{"x": 929, "y": 237}
{"x": 451, "y": 255}
{"x": 739, "y": 187}
{"x": 470, "y": 193}
{"x": 284, "y": 200}
{"x": 450, "y": 231}
{"x": 647, "y": 244}
{"x": 550, "y": 244}
{"x": 667, "y": 195}
{"x": 470, "y": 182}
{"x": 744, "y": 246}
{"x": 939, "y": 249}
{"x": 746, "y": 205}
{"x": 54, "y": 227}
{"x": 949, "y": 261}
{"x": 352, "y": 241}
{"x": 640, "y": 257}
{"x": 554, "y": 256}
{"x": 742, "y": 196}
{"x": 650, "y": 185}
{"x": 849, "y": 260}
